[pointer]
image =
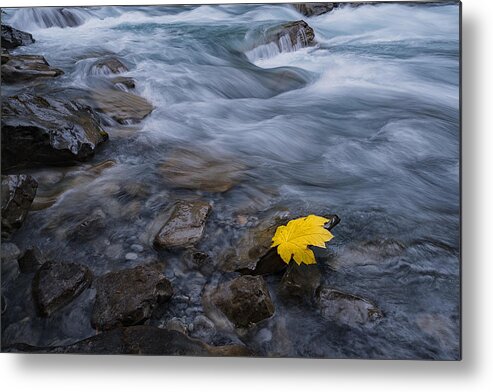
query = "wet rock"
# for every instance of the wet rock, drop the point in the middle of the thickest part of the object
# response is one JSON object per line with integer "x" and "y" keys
{"x": 200, "y": 261}
{"x": 300, "y": 281}
{"x": 347, "y": 309}
{"x": 123, "y": 83}
{"x": 176, "y": 324}
{"x": 185, "y": 226}
{"x": 128, "y": 297}
{"x": 252, "y": 254}
{"x": 290, "y": 36}
{"x": 137, "y": 248}
{"x": 130, "y": 256}
{"x": 18, "y": 192}
{"x": 139, "y": 340}
{"x": 202, "y": 328}
{"x": 201, "y": 170}
{"x": 22, "y": 68}
{"x": 31, "y": 260}
{"x": 10, "y": 266}
{"x": 56, "y": 284}
{"x": 44, "y": 130}
{"x": 88, "y": 228}
{"x": 12, "y": 38}
{"x": 107, "y": 66}
{"x": 244, "y": 300}
{"x": 121, "y": 106}
{"x": 314, "y": 9}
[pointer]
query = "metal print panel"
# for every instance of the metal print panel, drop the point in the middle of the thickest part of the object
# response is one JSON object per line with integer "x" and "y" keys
{"x": 263, "y": 180}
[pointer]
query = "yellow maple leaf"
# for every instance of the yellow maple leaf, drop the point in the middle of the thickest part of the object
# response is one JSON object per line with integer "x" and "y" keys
{"x": 293, "y": 239}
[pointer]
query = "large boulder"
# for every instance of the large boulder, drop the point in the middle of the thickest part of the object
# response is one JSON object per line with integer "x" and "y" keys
{"x": 244, "y": 300}
{"x": 12, "y": 38}
{"x": 314, "y": 9}
{"x": 128, "y": 297}
{"x": 185, "y": 225}
{"x": 22, "y": 68}
{"x": 18, "y": 192}
{"x": 56, "y": 284}
{"x": 45, "y": 130}
{"x": 139, "y": 340}
{"x": 347, "y": 309}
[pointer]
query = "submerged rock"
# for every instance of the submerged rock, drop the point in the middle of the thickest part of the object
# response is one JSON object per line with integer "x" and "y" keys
{"x": 244, "y": 300}
{"x": 121, "y": 106}
{"x": 22, "y": 68}
{"x": 18, "y": 192}
{"x": 314, "y": 9}
{"x": 201, "y": 170}
{"x": 185, "y": 226}
{"x": 139, "y": 340}
{"x": 127, "y": 297}
{"x": 89, "y": 227}
{"x": 12, "y": 38}
{"x": 56, "y": 284}
{"x": 347, "y": 309}
{"x": 123, "y": 83}
{"x": 45, "y": 130}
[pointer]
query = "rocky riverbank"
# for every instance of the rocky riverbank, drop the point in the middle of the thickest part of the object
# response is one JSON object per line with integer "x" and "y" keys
{"x": 131, "y": 226}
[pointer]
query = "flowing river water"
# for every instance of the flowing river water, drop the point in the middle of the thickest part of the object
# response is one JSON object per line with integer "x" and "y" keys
{"x": 363, "y": 124}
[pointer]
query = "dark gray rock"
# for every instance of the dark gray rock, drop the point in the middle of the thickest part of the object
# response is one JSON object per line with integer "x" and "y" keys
{"x": 244, "y": 300}
{"x": 12, "y": 38}
{"x": 347, "y": 309}
{"x": 22, "y": 68}
{"x": 185, "y": 226}
{"x": 314, "y": 9}
{"x": 18, "y": 192}
{"x": 128, "y": 297}
{"x": 56, "y": 284}
{"x": 138, "y": 340}
{"x": 44, "y": 130}
{"x": 31, "y": 260}
{"x": 300, "y": 281}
